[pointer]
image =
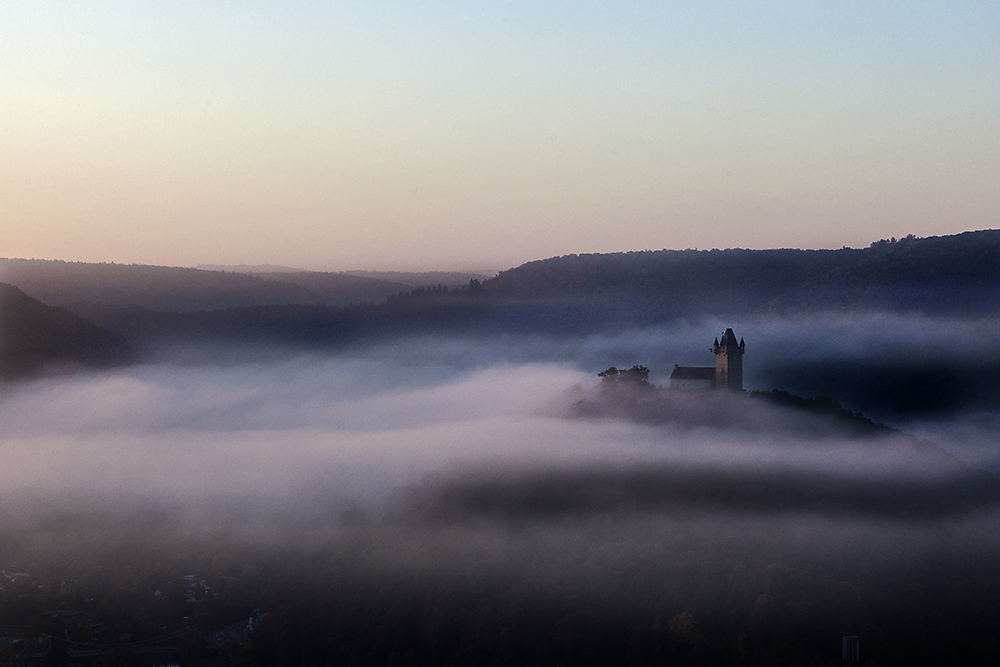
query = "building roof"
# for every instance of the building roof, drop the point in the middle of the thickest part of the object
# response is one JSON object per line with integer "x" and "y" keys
{"x": 729, "y": 339}
{"x": 693, "y": 373}
{"x": 728, "y": 343}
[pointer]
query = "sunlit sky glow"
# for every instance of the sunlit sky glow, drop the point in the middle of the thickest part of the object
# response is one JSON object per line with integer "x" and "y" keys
{"x": 417, "y": 135}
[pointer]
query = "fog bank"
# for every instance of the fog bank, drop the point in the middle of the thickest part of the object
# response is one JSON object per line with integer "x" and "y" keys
{"x": 453, "y": 483}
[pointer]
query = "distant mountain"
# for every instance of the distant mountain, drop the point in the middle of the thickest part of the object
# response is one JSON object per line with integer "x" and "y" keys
{"x": 80, "y": 286}
{"x": 947, "y": 273}
{"x": 35, "y": 337}
{"x": 340, "y": 289}
{"x": 449, "y": 279}
{"x": 954, "y": 275}
{"x": 159, "y": 288}
{"x": 403, "y": 280}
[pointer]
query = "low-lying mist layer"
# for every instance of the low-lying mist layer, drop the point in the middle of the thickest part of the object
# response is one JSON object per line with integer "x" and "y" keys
{"x": 366, "y": 425}
{"x": 449, "y": 492}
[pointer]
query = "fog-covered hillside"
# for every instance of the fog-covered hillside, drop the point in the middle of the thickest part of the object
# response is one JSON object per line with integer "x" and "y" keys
{"x": 442, "y": 479}
{"x": 35, "y": 337}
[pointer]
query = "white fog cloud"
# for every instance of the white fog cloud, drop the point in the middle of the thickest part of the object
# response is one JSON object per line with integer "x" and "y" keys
{"x": 359, "y": 427}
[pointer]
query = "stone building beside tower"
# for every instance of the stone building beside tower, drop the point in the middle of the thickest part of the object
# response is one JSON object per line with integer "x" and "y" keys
{"x": 728, "y": 371}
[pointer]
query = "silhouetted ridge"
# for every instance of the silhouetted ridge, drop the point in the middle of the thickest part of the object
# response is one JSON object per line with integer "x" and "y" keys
{"x": 159, "y": 288}
{"x": 34, "y": 337}
{"x": 450, "y": 279}
{"x": 340, "y": 289}
{"x": 569, "y": 295}
{"x": 934, "y": 273}
{"x": 80, "y": 285}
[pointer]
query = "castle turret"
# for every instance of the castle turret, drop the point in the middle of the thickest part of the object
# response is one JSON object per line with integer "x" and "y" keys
{"x": 729, "y": 362}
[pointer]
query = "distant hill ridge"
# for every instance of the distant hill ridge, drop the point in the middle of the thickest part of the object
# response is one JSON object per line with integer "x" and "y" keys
{"x": 449, "y": 279}
{"x": 35, "y": 337}
{"x": 970, "y": 256}
{"x": 920, "y": 272}
{"x": 408, "y": 279}
{"x": 934, "y": 273}
{"x": 589, "y": 293}
{"x": 185, "y": 290}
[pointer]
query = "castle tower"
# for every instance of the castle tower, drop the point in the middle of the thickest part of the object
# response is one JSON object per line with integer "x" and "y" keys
{"x": 729, "y": 362}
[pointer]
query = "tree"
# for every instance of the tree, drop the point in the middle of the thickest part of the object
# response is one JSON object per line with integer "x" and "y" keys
{"x": 637, "y": 376}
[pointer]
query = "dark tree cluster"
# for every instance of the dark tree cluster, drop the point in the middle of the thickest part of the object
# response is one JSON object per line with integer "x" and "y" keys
{"x": 637, "y": 376}
{"x": 825, "y": 407}
{"x": 419, "y": 294}
{"x": 35, "y": 337}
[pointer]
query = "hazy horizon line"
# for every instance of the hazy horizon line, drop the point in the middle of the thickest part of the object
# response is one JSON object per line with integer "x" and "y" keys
{"x": 278, "y": 267}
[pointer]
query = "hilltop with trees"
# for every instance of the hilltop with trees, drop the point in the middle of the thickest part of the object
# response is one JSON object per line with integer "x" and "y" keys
{"x": 35, "y": 337}
{"x": 570, "y": 295}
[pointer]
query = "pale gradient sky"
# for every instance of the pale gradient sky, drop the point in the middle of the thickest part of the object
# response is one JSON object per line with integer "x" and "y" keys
{"x": 420, "y": 135}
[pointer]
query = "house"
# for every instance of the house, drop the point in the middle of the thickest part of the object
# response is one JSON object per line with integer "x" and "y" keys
{"x": 727, "y": 373}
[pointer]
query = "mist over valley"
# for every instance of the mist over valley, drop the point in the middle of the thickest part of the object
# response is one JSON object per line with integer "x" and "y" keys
{"x": 444, "y": 477}
{"x": 519, "y": 333}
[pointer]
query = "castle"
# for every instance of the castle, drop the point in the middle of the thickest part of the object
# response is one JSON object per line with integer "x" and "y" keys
{"x": 728, "y": 371}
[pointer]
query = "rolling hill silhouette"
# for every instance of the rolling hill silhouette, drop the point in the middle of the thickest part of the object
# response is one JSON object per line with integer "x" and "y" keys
{"x": 79, "y": 286}
{"x": 35, "y": 338}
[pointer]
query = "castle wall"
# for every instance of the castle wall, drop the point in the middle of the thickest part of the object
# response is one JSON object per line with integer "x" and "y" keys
{"x": 692, "y": 385}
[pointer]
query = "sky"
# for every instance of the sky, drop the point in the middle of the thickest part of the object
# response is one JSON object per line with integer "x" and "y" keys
{"x": 478, "y": 136}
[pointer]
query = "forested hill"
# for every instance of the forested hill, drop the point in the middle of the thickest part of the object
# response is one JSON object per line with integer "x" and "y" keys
{"x": 954, "y": 275}
{"x": 936, "y": 274}
{"x": 927, "y": 273}
{"x": 184, "y": 290}
{"x": 35, "y": 337}
{"x": 412, "y": 279}
{"x": 339, "y": 289}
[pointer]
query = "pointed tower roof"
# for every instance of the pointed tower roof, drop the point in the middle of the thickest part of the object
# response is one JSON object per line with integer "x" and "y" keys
{"x": 729, "y": 339}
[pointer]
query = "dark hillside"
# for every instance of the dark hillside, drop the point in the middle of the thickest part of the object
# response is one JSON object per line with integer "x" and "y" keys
{"x": 962, "y": 259}
{"x": 940, "y": 275}
{"x": 571, "y": 296}
{"x": 449, "y": 279}
{"x": 935, "y": 274}
{"x": 580, "y": 294}
{"x": 308, "y": 326}
{"x": 160, "y": 288}
{"x": 670, "y": 271}
{"x": 340, "y": 289}
{"x": 34, "y": 336}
